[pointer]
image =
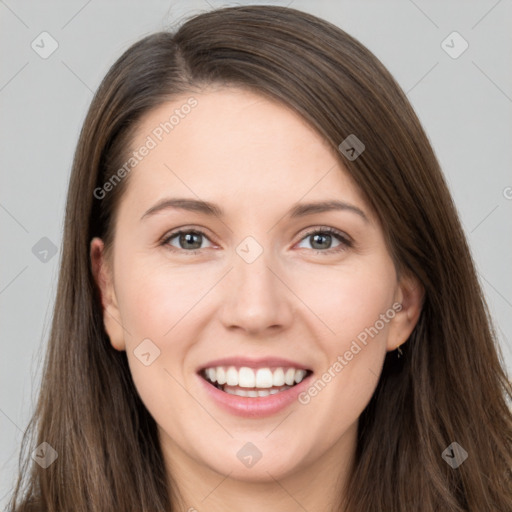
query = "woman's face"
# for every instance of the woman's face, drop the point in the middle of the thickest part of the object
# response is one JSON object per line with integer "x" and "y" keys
{"x": 259, "y": 289}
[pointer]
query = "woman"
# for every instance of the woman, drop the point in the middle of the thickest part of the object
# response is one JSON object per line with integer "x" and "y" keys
{"x": 252, "y": 370}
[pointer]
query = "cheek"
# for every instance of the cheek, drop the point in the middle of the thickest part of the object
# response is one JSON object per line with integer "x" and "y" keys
{"x": 355, "y": 305}
{"x": 153, "y": 299}
{"x": 156, "y": 304}
{"x": 347, "y": 300}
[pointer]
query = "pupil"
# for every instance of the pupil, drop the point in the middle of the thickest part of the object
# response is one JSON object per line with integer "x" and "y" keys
{"x": 317, "y": 236}
{"x": 189, "y": 238}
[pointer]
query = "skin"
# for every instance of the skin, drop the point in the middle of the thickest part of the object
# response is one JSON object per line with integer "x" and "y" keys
{"x": 256, "y": 159}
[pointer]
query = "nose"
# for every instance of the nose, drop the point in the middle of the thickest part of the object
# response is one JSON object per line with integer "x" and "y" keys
{"x": 256, "y": 298}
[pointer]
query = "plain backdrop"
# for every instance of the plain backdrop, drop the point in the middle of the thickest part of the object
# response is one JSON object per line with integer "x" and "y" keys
{"x": 463, "y": 98}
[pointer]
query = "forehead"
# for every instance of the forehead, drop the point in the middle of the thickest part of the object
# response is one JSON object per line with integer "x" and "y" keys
{"x": 234, "y": 145}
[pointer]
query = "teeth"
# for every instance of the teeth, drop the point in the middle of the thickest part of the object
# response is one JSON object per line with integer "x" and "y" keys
{"x": 210, "y": 373}
{"x": 278, "y": 377}
{"x": 232, "y": 376}
{"x": 253, "y": 392}
{"x": 246, "y": 378}
{"x": 299, "y": 375}
{"x": 263, "y": 378}
{"x": 289, "y": 376}
{"x": 219, "y": 375}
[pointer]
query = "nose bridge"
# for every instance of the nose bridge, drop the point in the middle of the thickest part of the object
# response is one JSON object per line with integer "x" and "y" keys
{"x": 256, "y": 297}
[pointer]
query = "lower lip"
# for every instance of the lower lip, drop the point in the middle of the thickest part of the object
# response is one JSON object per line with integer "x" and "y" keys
{"x": 255, "y": 407}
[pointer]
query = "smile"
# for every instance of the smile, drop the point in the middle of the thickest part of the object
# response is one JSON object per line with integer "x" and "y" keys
{"x": 248, "y": 382}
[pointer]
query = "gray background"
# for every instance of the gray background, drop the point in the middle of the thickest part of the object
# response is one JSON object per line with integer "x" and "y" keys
{"x": 464, "y": 103}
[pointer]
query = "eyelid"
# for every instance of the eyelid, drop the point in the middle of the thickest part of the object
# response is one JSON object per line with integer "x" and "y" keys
{"x": 327, "y": 229}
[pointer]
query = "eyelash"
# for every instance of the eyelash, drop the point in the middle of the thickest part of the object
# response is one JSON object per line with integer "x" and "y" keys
{"x": 344, "y": 245}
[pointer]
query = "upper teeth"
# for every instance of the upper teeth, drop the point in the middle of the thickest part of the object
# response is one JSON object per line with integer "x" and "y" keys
{"x": 246, "y": 377}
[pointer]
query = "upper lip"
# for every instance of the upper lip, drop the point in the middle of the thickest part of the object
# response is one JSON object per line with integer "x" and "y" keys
{"x": 263, "y": 362}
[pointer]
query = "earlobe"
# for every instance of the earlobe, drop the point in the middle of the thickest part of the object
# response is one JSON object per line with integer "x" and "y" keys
{"x": 410, "y": 295}
{"x": 102, "y": 272}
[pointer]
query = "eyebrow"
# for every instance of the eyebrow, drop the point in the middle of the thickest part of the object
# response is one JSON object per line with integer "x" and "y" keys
{"x": 211, "y": 209}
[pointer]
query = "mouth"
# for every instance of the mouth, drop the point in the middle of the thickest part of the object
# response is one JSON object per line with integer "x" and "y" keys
{"x": 254, "y": 382}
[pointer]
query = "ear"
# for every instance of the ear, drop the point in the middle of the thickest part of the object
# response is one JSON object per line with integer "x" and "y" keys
{"x": 103, "y": 276}
{"x": 410, "y": 294}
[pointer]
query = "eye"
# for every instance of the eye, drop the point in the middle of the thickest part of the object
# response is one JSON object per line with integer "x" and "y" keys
{"x": 188, "y": 240}
{"x": 321, "y": 240}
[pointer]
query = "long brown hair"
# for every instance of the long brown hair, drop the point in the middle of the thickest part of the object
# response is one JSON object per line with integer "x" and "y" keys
{"x": 449, "y": 385}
